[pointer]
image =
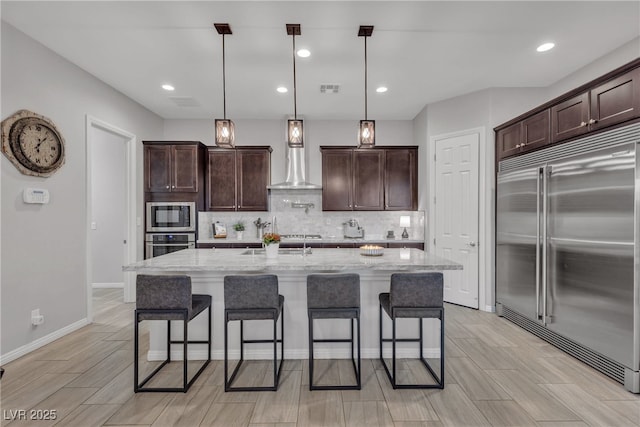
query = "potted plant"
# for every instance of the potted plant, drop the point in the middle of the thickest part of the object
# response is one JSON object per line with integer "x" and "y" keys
{"x": 271, "y": 243}
{"x": 239, "y": 228}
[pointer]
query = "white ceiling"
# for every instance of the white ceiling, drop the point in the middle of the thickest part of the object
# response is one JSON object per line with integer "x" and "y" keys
{"x": 424, "y": 51}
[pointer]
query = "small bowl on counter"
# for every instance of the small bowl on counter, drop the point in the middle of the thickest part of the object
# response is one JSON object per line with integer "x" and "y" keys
{"x": 371, "y": 250}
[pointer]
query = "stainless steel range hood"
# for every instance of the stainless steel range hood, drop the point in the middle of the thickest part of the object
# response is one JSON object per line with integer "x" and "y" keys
{"x": 296, "y": 174}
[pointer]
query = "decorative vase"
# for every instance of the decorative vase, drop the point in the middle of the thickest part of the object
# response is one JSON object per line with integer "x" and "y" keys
{"x": 239, "y": 235}
{"x": 272, "y": 250}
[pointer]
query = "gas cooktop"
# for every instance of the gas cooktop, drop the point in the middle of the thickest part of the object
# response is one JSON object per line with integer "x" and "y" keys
{"x": 302, "y": 236}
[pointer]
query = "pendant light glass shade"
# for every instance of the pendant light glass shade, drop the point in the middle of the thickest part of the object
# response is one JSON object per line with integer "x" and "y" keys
{"x": 367, "y": 136}
{"x": 294, "y": 133}
{"x": 225, "y": 133}
{"x": 367, "y": 130}
{"x": 224, "y": 128}
{"x": 295, "y": 129}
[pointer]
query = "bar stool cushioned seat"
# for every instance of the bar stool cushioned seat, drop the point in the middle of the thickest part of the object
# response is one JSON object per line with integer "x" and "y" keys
{"x": 253, "y": 297}
{"x": 169, "y": 298}
{"x": 413, "y": 295}
{"x": 334, "y": 296}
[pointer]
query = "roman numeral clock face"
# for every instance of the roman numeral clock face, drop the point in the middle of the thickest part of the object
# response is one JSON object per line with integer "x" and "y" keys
{"x": 32, "y": 143}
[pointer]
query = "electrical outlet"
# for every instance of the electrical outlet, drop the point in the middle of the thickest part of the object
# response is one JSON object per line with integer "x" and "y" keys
{"x": 36, "y": 317}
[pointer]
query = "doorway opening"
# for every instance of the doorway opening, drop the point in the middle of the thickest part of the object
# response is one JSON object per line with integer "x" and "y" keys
{"x": 111, "y": 208}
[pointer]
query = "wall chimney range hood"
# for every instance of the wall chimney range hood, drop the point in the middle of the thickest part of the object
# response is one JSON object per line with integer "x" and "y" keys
{"x": 296, "y": 175}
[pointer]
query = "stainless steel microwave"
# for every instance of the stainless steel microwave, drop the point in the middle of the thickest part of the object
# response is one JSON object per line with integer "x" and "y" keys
{"x": 171, "y": 216}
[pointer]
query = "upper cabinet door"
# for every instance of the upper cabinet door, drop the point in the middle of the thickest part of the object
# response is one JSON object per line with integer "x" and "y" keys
{"x": 221, "y": 180}
{"x": 570, "y": 118}
{"x": 253, "y": 176}
{"x": 185, "y": 168}
{"x": 157, "y": 168}
{"x": 535, "y": 130}
{"x": 368, "y": 180}
{"x": 615, "y": 101}
{"x": 337, "y": 179}
{"x": 401, "y": 170}
{"x": 509, "y": 140}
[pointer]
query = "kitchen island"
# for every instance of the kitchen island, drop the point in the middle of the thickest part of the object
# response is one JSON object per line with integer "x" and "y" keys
{"x": 207, "y": 268}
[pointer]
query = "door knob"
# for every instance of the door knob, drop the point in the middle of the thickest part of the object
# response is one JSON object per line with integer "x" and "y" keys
{"x": 472, "y": 244}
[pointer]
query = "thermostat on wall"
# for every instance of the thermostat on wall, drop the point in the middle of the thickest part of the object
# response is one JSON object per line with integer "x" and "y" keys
{"x": 35, "y": 195}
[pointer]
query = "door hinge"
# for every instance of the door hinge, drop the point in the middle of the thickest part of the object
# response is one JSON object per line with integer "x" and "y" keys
{"x": 434, "y": 241}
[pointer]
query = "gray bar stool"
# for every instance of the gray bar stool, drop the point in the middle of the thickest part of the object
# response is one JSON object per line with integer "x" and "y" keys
{"x": 169, "y": 298}
{"x": 334, "y": 296}
{"x": 253, "y": 297}
{"x": 413, "y": 295}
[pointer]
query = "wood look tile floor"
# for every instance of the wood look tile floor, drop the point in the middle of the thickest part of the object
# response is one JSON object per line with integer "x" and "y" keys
{"x": 496, "y": 375}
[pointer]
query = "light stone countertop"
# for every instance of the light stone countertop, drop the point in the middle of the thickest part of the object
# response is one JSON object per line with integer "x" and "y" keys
{"x": 321, "y": 259}
{"x": 323, "y": 240}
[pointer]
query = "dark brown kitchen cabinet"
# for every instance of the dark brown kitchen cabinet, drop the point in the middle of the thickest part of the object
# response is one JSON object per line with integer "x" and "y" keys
{"x": 337, "y": 179}
{"x": 524, "y": 136}
{"x": 612, "y": 102}
{"x": 401, "y": 179}
{"x": 407, "y": 245}
{"x": 171, "y": 167}
{"x": 369, "y": 179}
{"x": 570, "y": 118}
{"x": 237, "y": 179}
{"x": 615, "y": 101}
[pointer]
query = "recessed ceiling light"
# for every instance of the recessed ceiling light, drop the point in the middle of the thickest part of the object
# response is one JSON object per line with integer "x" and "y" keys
{"x": 382, "y": 89}
{"x": 282, "y": 89}
{"x": 545, "y": 47}
{"x": 303, "y": 53}
{"x": 168, "y": 87}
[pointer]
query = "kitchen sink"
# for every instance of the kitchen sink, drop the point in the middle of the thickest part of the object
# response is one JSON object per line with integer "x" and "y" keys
{"x": 281, "y": 251}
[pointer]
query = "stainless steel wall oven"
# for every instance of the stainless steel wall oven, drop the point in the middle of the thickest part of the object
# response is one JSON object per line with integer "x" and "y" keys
{"x": 161, "y": 243}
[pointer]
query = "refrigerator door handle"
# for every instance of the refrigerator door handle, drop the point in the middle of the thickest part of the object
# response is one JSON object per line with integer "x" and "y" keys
{"x": 546, "y": 171}
{"x": 538, "y": 254}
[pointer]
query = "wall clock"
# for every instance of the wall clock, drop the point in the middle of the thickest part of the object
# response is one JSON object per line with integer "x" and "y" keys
{"x": 32, "y": 143}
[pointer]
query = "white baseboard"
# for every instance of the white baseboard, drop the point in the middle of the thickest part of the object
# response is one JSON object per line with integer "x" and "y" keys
{"x": 119, "y": 285}
{"x": 490, "y": 308}
{"x": 34, "y": 345}
{"x": 370, "y": 353}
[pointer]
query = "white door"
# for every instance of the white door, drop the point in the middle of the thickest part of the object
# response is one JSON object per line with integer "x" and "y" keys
{"x": 457, "y": 214}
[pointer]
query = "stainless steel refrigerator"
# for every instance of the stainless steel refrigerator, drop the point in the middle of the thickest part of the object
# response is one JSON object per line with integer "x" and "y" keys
{"x": 567, "y": 248}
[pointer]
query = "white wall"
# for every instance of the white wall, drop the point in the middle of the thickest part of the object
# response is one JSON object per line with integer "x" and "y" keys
{"x": 108, "y": 208}
{"x": 272, "y": 132}
{"x": 44, "y": 256}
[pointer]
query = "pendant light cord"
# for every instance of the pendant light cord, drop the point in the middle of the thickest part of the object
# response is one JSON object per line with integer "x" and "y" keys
{"x": 295, "y": 108}
{"x": 224, "y": 84}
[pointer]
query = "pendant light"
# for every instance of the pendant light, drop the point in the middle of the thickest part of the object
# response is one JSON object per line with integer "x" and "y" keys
{"x": 367, "y": 130}
{"x": 295, "y": 126}
{"x": 224, "y": 128}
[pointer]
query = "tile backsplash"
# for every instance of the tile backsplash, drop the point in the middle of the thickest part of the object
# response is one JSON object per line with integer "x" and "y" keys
{"x": 300, "y": 211}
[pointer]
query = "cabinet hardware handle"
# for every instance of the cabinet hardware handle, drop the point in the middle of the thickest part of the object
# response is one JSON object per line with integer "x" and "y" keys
{"x": 173, "y": 186}
{"x": 167, "y": 186}
{"x": 582, "y": 124}
{"x": 592, "y": 121}
{"x": 472, "y": 244}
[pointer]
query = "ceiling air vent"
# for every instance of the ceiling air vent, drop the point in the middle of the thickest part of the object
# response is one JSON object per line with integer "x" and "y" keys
{"x": 184, "y": 101}
{"x": 329, "y": 88}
